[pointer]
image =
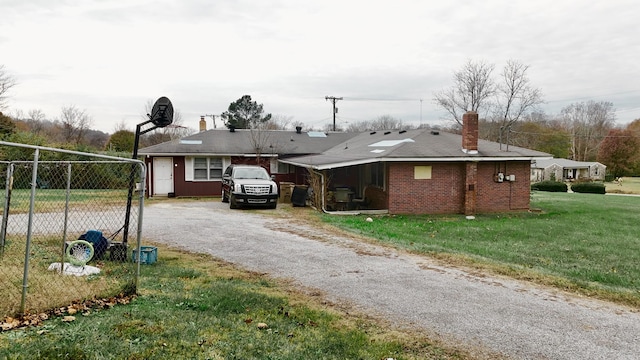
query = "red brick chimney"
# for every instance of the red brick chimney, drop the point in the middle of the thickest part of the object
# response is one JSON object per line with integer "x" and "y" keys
{"x": 470, "y": 132}
{"x": 203, "y": 124}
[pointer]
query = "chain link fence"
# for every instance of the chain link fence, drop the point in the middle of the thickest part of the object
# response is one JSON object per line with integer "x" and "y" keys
{"x": 71, "y": 222}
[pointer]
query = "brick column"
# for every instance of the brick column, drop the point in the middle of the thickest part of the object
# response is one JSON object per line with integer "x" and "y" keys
{"x": 471, "y": 188}
{"x": 470, "y": 132}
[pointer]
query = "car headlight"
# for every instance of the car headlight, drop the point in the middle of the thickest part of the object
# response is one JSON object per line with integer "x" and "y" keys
{"x": 237, "y": 188}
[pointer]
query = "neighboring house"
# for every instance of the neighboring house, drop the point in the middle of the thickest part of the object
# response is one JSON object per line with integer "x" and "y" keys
{"x": 567, "y": 170}
{"x": 402, "y": 172}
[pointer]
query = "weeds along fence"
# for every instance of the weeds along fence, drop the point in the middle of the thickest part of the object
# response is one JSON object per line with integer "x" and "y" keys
{"x": 55, "y": 202}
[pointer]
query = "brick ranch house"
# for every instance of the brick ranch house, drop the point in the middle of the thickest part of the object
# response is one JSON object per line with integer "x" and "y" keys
{"x": 401, "y": 172}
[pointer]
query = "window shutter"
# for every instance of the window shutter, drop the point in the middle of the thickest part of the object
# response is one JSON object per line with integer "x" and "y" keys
{"x": 188, "y": 168}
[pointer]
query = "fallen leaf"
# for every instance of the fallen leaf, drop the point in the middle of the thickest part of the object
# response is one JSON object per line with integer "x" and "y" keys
{"x": 68, "y": 318}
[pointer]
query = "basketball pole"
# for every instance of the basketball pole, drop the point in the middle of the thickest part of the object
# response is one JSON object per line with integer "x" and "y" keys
{"x": 159, "y": 119}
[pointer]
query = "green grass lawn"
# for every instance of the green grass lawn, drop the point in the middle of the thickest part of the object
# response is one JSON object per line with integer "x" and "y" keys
{"x": 581, "y": 242}
{"x": 191, "y": 306}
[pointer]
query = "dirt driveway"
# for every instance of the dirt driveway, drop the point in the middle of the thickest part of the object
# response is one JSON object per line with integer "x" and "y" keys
{"x": 501, "y": 315}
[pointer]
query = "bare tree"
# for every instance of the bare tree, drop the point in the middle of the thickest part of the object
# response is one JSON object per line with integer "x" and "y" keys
{"x": 296, "y": 124}
{"x": 472, "y": 89}
{"x": 515, "y": 97}
{"x": 384, "y": 122}
{"x": 277, "y": 122}
{"x": 35, "y": 120}
{"x": 6, "y": 83}
{"x": 75, "y": 123}
{"x": 120, "y": 126}
{"x": 587, "y": 123}
{"x": 262, "y": 142}
{"x": 329, "y": 128}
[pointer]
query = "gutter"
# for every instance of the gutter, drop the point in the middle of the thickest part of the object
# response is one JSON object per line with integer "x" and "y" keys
{"x": 413, "y": 160}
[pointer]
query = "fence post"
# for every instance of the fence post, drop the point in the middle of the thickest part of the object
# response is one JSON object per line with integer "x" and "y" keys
{"x": 7, "y": 203}
{"x": 32, "y": 200}
{"x": 66, "y": 217}
{"x": 143, "y": 175}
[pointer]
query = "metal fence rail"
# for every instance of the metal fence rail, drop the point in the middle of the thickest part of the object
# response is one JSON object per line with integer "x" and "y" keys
{"x": 52, "y": 198}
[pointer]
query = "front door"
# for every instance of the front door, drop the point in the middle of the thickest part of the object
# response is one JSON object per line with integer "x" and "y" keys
{"x": 163, "y": 176}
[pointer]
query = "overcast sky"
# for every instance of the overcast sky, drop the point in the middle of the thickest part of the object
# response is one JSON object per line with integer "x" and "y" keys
{"x": 111, "y": 57}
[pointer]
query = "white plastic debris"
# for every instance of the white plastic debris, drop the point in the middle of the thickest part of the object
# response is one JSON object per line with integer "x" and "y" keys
{"x": 75, "y": 270}
{"x": 369, "y": 219}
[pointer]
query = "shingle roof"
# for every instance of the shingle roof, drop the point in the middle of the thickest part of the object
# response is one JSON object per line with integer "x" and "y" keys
{"x": 411, "y": 145}
{"x": 341, "y": 149}
{"x": 564, "y": 163}
{"x": 240, "y": 142}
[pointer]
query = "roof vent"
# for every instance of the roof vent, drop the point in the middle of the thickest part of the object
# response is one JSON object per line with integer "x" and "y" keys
{"x": 373, "y": 132}
{"x": 298, "y": 129}
{"x": 387, "y": 132}
{"x": 402, "y": 131}
{"x": 232, "y": 128}
{"x": 435, "y": 132}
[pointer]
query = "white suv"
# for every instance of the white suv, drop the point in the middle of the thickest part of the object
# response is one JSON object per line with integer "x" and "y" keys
{"x": 248, "y": 185}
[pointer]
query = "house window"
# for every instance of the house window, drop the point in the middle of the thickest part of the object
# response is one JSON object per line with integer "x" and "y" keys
{"x": 207, "y": 168}
{"x": 276, "y": 167}
{"x": 283, "y": 168}
{"x": 376, "y": 174}
{"x": 422, "y": 172}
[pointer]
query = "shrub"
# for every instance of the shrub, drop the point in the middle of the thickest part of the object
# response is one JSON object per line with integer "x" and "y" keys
{"x": 588, "y": 187}
{"x": 549, "y": 185}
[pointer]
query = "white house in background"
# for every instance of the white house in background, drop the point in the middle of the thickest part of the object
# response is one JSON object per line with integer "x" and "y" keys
{"x": 566, "y": 170}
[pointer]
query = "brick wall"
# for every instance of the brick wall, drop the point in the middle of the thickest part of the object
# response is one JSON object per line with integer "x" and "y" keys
{"x": 507, "y": 195}
{"x": 442, "y": 194}
{"x": 449, "y": 192}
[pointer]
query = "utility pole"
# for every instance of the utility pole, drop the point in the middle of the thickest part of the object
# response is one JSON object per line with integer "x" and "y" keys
{"x": 213, "y": 117}
{"x": 335, "y": 110}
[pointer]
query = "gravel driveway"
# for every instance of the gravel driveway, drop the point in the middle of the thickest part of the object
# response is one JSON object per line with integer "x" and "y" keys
{"x": 519, "y": 320}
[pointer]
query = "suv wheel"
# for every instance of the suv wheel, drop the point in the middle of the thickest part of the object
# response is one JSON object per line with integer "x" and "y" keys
{"x": 232, "y": 202}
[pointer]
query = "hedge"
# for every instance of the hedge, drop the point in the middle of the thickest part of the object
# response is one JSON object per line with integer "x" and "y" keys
{"x": 588, "y": 187}
{"x": 549, "y": 185}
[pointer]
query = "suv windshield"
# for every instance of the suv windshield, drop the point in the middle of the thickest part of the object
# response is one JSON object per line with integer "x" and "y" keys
{"x": 251, "y": 174}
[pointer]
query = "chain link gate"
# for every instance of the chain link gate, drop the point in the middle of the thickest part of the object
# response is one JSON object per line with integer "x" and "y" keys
{"x": 53, "y": 200}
